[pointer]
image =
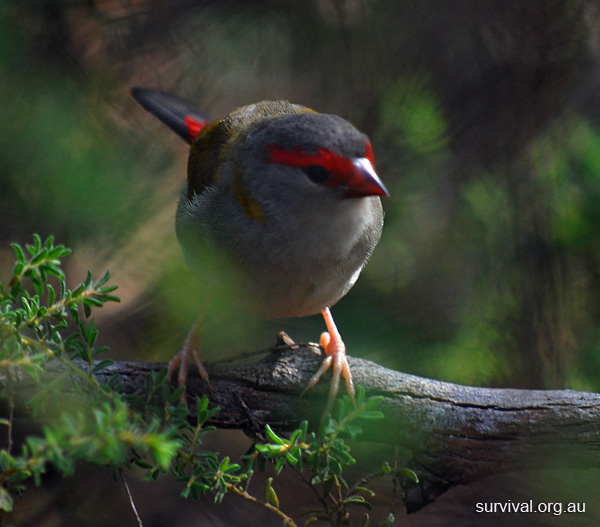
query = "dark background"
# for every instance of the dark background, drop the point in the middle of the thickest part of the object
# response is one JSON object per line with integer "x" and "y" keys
{"x": 484, "y": 118}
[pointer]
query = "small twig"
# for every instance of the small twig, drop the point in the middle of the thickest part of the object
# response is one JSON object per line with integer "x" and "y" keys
{"x": 284, "y": 342}
{"x": 256, "y": 428}
{"x": 287, "y": 521}
{"x": 364, "y": 480}
{"x": 131, "y": 502}
{"x": 243, "y": 355}
{"x": 11, "y": 414}
{"x": 313, "y": 488}
{"x": 396, "y": 492}
{"x": 338, "y": 509}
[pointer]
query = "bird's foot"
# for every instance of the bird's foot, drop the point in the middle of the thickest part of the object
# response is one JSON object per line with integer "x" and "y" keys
{"x": 180, "y": 360}
{"x": 335, "y": 350}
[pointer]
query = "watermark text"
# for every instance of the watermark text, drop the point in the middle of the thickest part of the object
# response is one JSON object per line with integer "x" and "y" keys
{"x": 509, "y": 506}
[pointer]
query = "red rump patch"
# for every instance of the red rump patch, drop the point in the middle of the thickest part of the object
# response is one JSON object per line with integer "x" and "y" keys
{"x": 193, "y": 125}
{"x": 331, "y": 161}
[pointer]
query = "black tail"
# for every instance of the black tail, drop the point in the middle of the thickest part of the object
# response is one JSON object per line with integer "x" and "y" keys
{"x": 183, "y": 117}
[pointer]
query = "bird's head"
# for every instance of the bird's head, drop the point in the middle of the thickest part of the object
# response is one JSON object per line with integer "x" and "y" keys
{"x": 300, "y": 157}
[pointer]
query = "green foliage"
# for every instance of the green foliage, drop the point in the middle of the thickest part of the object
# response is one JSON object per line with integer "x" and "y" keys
{"x": 322, "y": 457}
{"x": 33, "y": 318}
{"x": 413, "y": 116}
{"x": 85, "y": 420}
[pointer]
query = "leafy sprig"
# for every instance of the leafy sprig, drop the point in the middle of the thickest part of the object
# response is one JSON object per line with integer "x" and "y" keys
{"x": 43, "y": 321}
{"x": 322, "y": 457}
{"x": 85, "y": 420}
{"x": 34, "y": 313}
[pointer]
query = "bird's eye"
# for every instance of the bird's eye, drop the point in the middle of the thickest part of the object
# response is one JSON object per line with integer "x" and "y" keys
{"x": 317, "y": 174}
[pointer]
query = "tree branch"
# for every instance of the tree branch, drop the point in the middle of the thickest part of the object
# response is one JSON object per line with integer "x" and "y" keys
{"x": 456, "y": 434}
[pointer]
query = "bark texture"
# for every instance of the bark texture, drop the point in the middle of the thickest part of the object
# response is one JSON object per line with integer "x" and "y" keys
{"x": 456, "y": 434}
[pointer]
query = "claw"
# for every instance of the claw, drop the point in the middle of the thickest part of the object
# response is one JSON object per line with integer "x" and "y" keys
{"x": 335, "y": 349}
{"x": 180, "y": 360}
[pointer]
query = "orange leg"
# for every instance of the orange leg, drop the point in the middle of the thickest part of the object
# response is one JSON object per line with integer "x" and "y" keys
{"x": 335, "y": 349}
{"x": 181, "y": 358}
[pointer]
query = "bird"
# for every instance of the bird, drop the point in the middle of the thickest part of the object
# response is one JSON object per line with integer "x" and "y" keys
{"x": 290, "y": 198}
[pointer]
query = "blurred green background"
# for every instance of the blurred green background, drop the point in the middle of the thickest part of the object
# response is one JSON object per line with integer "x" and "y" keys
{"x": 484, "y": 119}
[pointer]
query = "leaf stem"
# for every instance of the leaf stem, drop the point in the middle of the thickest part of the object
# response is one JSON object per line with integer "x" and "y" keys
{"x": 287, "y": 521}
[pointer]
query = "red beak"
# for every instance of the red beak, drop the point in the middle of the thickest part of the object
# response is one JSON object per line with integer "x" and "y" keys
{"x": 364, "y": 181}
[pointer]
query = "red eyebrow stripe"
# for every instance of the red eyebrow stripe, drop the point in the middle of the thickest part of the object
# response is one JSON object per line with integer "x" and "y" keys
{"x": 369, "y": 153}
{"x": 328, "y": 159}
{"x": 194, "y": 126}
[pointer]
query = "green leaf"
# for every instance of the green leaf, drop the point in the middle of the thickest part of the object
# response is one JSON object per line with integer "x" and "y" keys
{"x": 93, "y": 301}
{"x": 58, "y": 252}
{"x": 19, "y": 254}
{"x": 371, "y": 414}
{"x": 51, "y": 294}
{"x": 334, "y": 466}
{"x": 291, "y": 458}
{"x": 62, "y": 289}
{"x": 373, "y": 401}
{"x": 407, "y": 473}
{"x": 358, "y": 500}
{"x": 102, "y": 364}
{"x": 18, "y": 268}
{"x": 232, "y": 468}
{"x": 312, "y": 518}
{"x": 352, "y": 430}
{"x": 52, "y": 269}
{"x": 142, "y": 464}
{"x": 279, "y": 464}
{"x": 224, "y": 464}
{"x": 303, "y": 429}
{"x": 37, "y": 258}
{"x": 270, "y": 450}
{"x": 49, "y": 243}
{"x": 37, "y": 284}
{"x": 365, "y": 490}
{"x": 360, "y": 395}
{"x": 294, "y": 437}
{"x": 389, "y": 522}
{"x": 6, "y": 501}
{"x": 329, "y": 429}
{"x": 103, "y": 280}
{"x": 270, "y": 494}
{"x": 201, "y": 408}
{"x": 37, "y": 244}
{"x": 110, "y": 298}
{"x": 273, "y": 436}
